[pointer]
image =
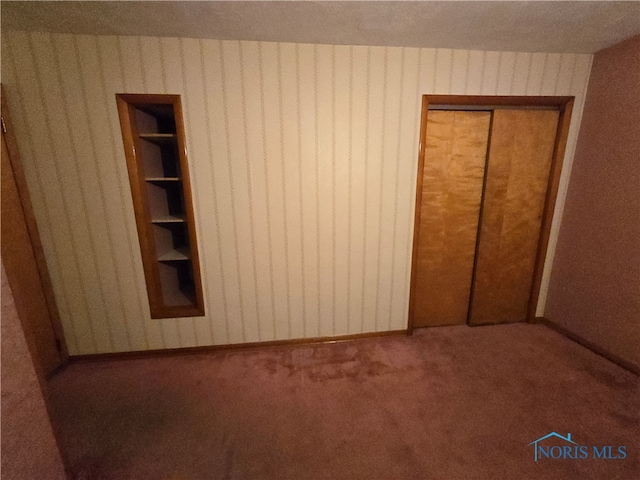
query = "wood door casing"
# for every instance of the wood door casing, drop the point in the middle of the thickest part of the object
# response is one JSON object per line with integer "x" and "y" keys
{"x": 454, "y": 163}
{"x": 23, "y": 272}
{"x": 518, "y": 167}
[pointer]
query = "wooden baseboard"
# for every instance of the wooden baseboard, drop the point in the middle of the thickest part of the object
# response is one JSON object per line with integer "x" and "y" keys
{"x": 633, "y": 368}
{"x": 230, "y": 347}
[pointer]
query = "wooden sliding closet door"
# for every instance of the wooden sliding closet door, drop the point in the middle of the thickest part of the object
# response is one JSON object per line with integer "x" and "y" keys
{"x": 454, "y": 162}
{"x": 520, "y": 153}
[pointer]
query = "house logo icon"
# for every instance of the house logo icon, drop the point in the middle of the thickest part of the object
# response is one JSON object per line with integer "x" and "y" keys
{"x": 549, "y": 435}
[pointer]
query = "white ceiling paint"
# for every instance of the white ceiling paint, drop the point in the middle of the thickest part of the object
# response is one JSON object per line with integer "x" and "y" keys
{"x": 552, "y": 26}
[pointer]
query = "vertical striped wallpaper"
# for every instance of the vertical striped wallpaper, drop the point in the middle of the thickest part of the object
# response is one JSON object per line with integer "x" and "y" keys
{"x": 303, "y": 160}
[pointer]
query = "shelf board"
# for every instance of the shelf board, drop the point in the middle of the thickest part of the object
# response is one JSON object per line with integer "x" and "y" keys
{"x": 158, "y": 138}
{"x": 181, "y": 253}
{"x": 162, "y": 179}
{"x": 177, "y": 218}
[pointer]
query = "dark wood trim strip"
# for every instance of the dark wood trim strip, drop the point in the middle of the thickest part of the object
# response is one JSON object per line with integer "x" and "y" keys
{"x": 418, "y": 212}
{"x": 143, "y": 98}
{"x": 553, "y": 184}
{"x": 612, "y": 357}
{"x": 498, "y": 100}
{"x": 233, "y": 347}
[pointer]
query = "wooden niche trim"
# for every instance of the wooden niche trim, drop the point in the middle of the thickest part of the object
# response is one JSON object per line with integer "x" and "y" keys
{"x": 154, "y": 142}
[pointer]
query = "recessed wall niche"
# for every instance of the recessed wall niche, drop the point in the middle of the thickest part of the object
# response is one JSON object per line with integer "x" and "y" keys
{"x": 154, "y": 142}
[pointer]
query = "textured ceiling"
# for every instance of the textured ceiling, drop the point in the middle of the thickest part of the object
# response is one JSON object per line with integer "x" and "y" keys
{"x": 552, "y": 26}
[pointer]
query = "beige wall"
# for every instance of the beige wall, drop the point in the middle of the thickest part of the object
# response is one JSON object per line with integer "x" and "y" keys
{"x": 595, "y": 285}
{"x": 29, "y": 449}
{"x": 303, "y": 161}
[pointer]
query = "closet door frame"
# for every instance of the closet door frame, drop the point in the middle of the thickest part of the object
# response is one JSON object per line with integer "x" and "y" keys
{"x": 564, "y": 105}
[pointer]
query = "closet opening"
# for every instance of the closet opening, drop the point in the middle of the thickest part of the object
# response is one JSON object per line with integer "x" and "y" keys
{"x": 488, "y": 175}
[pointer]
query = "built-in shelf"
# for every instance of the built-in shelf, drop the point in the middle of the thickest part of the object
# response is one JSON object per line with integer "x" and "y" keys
{"x": 176, "y": 293}
{"x": 158, "y": 138}
{"x": 162, "y": 179}
{"x": 153, "y": 134}
{"x": 178, "y": 218}
{"x": 181, "y": 253}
